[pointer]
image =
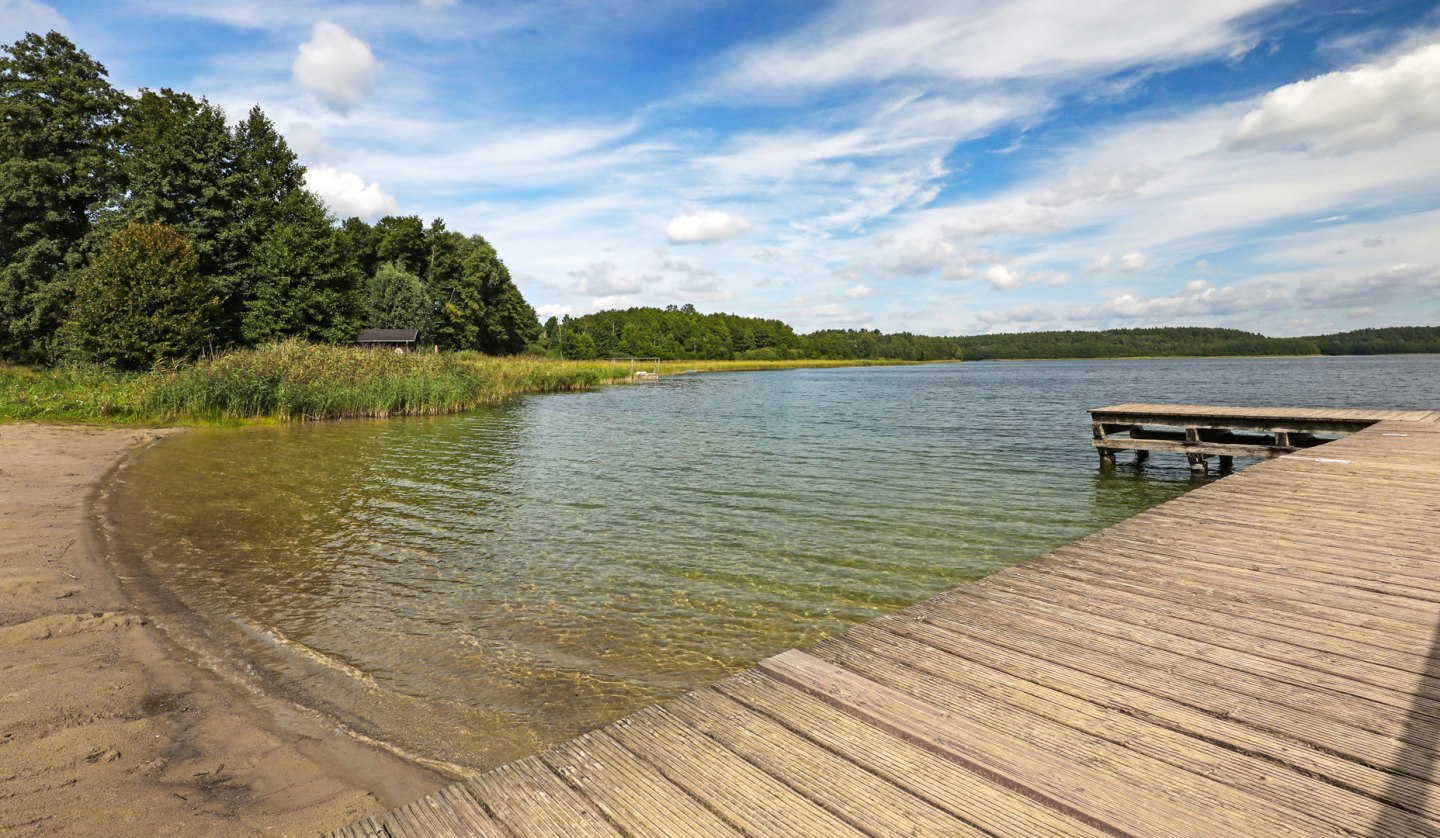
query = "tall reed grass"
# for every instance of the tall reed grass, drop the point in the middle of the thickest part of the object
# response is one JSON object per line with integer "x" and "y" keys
{"x": 296, "y": 381}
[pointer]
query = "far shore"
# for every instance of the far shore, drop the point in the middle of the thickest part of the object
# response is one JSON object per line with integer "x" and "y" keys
{"x": 107, "y": 725}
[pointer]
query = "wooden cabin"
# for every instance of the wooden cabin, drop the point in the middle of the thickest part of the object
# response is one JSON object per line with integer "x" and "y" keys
{"x": 398, "y": 340}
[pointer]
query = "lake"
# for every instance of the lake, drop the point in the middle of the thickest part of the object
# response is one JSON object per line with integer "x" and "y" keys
{"x": 472, "y": 588}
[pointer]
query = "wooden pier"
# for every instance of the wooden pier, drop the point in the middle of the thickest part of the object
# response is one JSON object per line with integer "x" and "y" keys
{"x": 1203, "y": 431}
{"x": 1258, "y": 657}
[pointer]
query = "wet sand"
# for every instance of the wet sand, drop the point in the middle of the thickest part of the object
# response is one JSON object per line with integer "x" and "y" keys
{"x": 115, "y": 719}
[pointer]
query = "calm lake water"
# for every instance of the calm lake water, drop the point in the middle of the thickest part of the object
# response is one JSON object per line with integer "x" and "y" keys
{"x": 473, "y": 588}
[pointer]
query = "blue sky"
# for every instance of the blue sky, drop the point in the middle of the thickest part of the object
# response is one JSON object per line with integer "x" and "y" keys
{"x": 938, "y": 167}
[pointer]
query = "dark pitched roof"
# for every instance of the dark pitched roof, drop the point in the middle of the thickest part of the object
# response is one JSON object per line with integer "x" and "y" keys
{"x": 388, "y": 335}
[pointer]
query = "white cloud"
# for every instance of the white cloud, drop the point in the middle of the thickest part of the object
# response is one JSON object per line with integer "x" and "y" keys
{"x": 548, "y": 311}
{"x": 337, "y": 67}
{"x": 1017, "y": 220}
{"x": 1096, "y": 185}
{"x": 1006, "y": 278}
{"x": 1127, "y": 264}
{"x": 347, "y": 194}
{"x": 1252, "y": 298}
{"x": 831, "y": 316}
{"x": 1342, "y": 111}
{"x": 967, "y": 40}
{"x": 858, "y": 291}
{"x": 705, "y": 228}
{"x": 17, "y": 17}
{"x": 1003, "y": 278}
{"x": 438, "y": 4}
{"x": 1019, "y": 314}
{"x": 603, "y": 279}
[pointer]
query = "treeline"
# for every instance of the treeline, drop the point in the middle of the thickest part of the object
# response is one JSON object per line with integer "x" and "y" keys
{"x": 147, "y": 229}
{"x": 681, "y": 332}
{"x": 1394, "y": 340}
{"x": 671, "y": 333}
{"x": 1130, "y": 343}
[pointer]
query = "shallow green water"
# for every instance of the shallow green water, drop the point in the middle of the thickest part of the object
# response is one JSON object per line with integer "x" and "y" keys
{"x": 472, "y": 588}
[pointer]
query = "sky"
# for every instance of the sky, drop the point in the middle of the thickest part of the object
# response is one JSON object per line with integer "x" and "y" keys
{"x": 953, "y": 167}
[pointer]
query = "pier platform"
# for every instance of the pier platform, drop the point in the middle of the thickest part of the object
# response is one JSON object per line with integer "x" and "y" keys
{"x": 1258, "y": 657}
{"x": 1204, "y": 431}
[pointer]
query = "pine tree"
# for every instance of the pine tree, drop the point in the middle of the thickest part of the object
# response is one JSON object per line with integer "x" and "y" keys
{"x": 58, "y": 165}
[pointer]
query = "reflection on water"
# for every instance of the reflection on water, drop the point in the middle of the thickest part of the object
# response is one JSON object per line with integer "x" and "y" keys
{"x": 472, "y": 588}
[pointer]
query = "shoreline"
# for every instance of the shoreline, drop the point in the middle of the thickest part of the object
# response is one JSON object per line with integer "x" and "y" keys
{"x": 109, "y": 722}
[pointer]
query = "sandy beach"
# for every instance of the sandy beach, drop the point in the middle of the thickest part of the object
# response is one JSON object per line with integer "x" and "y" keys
{"x": 110, "y": 724}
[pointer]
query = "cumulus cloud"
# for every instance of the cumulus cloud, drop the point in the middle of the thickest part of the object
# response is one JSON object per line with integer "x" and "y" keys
{"x": 603, "y": 279}
{"x": 1006, "y": 278}
{"x": 18, "y": 17}
{"x": 548, "y": 311}
{"x": 1003, "y": 278}
{"x": 337, "y": 67}
{"x": 347, "y": 194}
{"x": 1096, "y": 185}
{"x": 705, "y": 228}
{"x": 1369, "y": 105}
{"x": 858, "y": 291}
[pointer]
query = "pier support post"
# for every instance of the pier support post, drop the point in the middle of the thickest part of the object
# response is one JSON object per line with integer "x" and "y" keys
{"x": 1227, "y": 464}
{"x": 1141, "y": 455}
{"x": 1107, "y": 458}
{"x": 1198, "y": 466}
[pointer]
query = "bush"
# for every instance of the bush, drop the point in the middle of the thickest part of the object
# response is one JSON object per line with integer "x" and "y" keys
{"x": 142, "y": 301}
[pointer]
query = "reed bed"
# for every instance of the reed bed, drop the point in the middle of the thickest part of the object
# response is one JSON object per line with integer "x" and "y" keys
{"x": 298, "y": 381}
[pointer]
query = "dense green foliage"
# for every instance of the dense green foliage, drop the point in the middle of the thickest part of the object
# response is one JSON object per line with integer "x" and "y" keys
{"x": 1391, "y": 341}
{"x": 673, "y": 332}
{"x": 82, "y": 163}
{"x": 142, "y": 300}
{"x": 59, "y": 153}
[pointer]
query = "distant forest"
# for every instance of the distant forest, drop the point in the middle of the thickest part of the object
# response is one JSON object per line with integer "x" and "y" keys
{"x": 681, "y": 332}
{"x": 145, "y": 230}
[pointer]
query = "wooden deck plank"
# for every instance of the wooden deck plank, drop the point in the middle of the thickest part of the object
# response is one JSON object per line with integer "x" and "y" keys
{"x": 631, "y": 792}
{"x": 1090, "y": 796}
{"x": 968, "y": 796}
{"x": 530, "y": 800}
{"x": 1175, "y": 765}
{"x": 758, "y": 803}
{"x": 1259, "y": 656}
{"x": 859, "y": 797}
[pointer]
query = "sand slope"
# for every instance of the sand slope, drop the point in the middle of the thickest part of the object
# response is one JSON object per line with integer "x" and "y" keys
{"x": 106, "y": 726}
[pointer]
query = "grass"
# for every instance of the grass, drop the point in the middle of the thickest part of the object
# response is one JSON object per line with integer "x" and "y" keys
{"x": 296, "y": 381}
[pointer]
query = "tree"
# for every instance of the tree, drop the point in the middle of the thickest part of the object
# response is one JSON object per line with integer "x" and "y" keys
{"x": 398, "y": 300}
{"x": 477, "y": 305}
{"x": 510, "y": 322}
{"x": 142, "y": 301}
{"x": 402, "y": 241}
{"x": 58, "y": 163}
{"x": 178, "y": 171}
{"x": 304, "y": 283}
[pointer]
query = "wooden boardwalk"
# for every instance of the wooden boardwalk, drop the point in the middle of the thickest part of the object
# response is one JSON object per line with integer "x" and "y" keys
{"x": 1258, "y": 657}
